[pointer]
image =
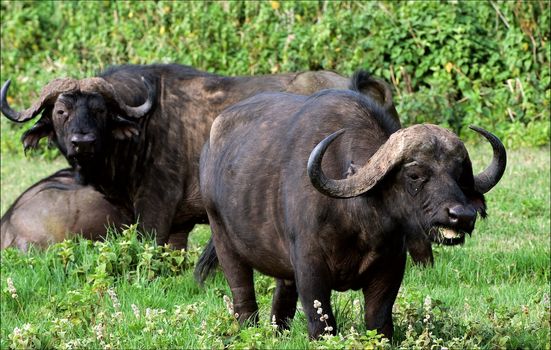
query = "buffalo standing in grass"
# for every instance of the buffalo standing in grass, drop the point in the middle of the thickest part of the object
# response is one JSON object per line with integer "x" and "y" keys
{"x": 135, "y": 132}
{"x": 282, "y": 198}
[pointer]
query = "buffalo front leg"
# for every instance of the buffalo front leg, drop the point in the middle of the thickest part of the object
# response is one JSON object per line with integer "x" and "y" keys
{"x": 155, "y": 214}
{"x": 420, "y": 249}
{"x": 284, "y": 304}
{"x": 179, "y": 234}
{"x": 380, "y": 293}
{"x": 240, "y": 279}
{"x": 313, "y": 285}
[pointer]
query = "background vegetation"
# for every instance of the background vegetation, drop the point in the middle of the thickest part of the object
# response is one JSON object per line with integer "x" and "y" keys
{"x": 451, "y": 63}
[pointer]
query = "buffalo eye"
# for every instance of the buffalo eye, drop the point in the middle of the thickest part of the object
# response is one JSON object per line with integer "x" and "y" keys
{"x": 415, "y": 178}
{"x": 60, "y": 114}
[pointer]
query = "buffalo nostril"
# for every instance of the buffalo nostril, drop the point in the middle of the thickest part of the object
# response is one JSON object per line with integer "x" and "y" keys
{"x": 453, "y": 217}
{"x": 462, "y": 216}
{"x": 83, "y": 142}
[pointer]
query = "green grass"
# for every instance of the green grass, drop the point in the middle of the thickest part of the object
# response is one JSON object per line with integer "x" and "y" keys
{"x": 491, "y": 293}
{"x": 18, "y": 173}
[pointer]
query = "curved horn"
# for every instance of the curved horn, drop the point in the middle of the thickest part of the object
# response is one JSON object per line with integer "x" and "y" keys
{"x": 392, "y": 152}
{"x": 6, "y": 109}
{"x": 103, "y": 87}
{"x": 321, "y": 182}
{"x": 48, "y": 95}
{"x": 487, "y": 179}
{"x": 140, "y": 111}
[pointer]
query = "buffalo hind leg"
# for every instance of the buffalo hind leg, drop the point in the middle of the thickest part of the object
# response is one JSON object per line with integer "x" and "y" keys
{"x": 380, "y": 293}
{"x": 239, "y": 276}
{"x": 284, "y": 303}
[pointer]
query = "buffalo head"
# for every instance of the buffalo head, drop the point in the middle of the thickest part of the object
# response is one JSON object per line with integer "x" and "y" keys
{"x": 80, "y": 116}
{"x": 428, "y": 173}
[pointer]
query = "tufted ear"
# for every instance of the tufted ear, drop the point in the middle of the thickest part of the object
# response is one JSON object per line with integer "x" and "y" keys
{"x": 479, "y": 203}
{"x": 42, "y": 128}
{"x": 352, "y": 169}
{"x": 124, "y": 129}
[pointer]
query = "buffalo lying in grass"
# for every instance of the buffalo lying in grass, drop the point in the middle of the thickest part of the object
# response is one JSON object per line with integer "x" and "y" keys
{"x": 322, "y": 193}
{"x": 53, "y": 208}
{"x": 58, "y": 207}
{"x": 135, "y": 132}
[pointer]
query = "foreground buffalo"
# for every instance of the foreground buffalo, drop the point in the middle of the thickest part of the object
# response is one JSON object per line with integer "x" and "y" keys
{"x": 323, "y": 213}
{"x": 135, "y": 132}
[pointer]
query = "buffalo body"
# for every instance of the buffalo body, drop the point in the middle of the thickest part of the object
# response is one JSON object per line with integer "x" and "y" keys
{"x": 323, "y": 192}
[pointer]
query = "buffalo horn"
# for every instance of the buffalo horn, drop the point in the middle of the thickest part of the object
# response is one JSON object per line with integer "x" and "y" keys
{"x": 49, "y": 93}
{"x": 101, "y": 86}
{"x": 388, "y": 155}
{"x": 487, "y": 179}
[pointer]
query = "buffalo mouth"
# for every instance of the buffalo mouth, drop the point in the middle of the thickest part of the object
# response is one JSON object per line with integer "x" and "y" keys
{"x": 83, "y": 157}
{"x": 446, "y": 235}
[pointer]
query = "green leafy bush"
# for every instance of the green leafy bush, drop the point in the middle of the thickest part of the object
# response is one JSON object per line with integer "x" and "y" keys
{"x": 451, "y": 63}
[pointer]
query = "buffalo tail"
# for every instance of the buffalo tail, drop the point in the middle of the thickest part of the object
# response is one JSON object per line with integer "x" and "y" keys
{"x": 207, "y": 263}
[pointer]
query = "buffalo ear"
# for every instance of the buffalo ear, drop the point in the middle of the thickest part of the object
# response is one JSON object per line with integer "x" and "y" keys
{"x": 352, "y": 169}
{"x": 42, "y": 128}
{"x": 124, "y": 129}
{"x": 479, "y": 203}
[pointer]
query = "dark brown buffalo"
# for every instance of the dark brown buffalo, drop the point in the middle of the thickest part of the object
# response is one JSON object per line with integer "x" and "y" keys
{"x": 135, "y": 132}
{"x": 319, "y": 193}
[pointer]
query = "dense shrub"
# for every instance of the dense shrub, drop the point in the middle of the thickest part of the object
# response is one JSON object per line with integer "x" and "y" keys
{"x": 451, "y": 63}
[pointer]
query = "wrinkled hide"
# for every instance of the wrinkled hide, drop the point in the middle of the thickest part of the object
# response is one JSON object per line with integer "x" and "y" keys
{"x": 323, "y": 193}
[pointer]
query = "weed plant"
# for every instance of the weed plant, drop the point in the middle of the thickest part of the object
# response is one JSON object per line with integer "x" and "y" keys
{"x": 450, "y": 63}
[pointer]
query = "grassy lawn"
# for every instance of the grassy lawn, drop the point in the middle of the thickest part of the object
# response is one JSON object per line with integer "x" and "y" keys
{"x": 491, "y": 293}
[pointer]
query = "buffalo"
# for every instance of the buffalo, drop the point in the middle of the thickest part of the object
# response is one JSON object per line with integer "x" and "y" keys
{"x": 135, "y": 132}
{"x": 56, "y": 208}
{"x": 322, "y": 193}
{"x": 53, "y": 208}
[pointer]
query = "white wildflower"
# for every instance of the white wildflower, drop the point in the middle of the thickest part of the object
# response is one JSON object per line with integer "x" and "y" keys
{"x": 135, "y": 310}
{"x": 11, "y": 288}
{"x": 114, "y": 299}
{"x": 229, "y": 304}
{"x": 274, "y": 323}
{"x": 357, "y": 304}
{"x": 428, "y": 302}
{"x": 99, "y": 329}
